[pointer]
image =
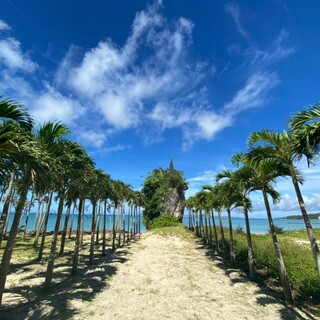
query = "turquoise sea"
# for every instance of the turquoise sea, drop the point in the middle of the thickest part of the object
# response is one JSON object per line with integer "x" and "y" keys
{"x": 256, "y": 225}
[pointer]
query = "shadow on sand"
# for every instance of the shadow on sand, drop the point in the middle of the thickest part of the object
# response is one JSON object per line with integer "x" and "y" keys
{"x": 264, "y": 295}
{"x": 60, "y": 302}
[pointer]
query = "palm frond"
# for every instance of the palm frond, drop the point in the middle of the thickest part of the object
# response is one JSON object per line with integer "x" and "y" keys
{"x": 16, "y": 113}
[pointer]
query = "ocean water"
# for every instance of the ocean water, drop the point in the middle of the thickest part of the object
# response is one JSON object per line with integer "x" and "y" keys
{"x": 256, "y": 225}
{"x": 261, "y": 226}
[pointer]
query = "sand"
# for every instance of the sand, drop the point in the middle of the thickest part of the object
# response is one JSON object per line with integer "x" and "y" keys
{"x": 154, "y": 277}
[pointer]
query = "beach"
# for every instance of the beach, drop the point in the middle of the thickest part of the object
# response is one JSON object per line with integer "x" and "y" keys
{"x": 156, "y": 276}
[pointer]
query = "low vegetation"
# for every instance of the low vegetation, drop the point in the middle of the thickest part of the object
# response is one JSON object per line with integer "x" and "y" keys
{"x": 297, "y": 255}
{"x": 166, "y": 220}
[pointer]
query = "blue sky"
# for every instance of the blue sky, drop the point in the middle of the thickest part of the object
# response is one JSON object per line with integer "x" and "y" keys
{"x": 142, "y": 82}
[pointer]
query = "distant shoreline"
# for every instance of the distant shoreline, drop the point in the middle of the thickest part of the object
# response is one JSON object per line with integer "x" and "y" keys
{"x": 300, "y": 217}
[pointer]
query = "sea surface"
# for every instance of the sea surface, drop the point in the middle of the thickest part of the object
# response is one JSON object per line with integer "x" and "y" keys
{"x": 256, "y": 225}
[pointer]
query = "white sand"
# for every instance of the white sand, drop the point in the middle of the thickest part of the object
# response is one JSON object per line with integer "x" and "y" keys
{"x": 155, "y": 277}
{"x": 172, "y": 278}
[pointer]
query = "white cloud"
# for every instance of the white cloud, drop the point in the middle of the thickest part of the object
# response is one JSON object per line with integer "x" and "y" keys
{"x": 124, "y": 88}
{"x": 4, "y": 25}
{"x": 52, "y": 105}
{"x": 12, "y": 57}
{"x": 233, "y": 9}
{"x": 120, "y": 84}
{"x": 277, "y": 51}
{"x": 118, "y": 111}
{"x": 203, "y": 178}
{"x": 196, "y": 117}
{"x": 93, "y": 138}
{"x": 254, "y": 93}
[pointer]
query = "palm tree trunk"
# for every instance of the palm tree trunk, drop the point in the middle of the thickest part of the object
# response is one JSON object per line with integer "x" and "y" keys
{"x": 132, "y": 208}
{"x": 139, "y": 220}
{"x": 5, "y": 209}
{"x": 249, "y": 243}
{"x": 114, "y": 228}
{"x": 135, "y": 223}
{"x": 64, "y": 230}
{"x": 82, "y": 223}
{"x": 277, "y": 251}
{"x": 119, "y": 217}
{"x": 210, "y": 229}
{"x": 312, "y": 238}
{"x": 200, "y": 224}
{"x": 42, "y": 219}
{"x": 104, "y": 231}
{"x": 206, "y": 229}
{"x": 38, "y": 214}
{"x": 93, "y": 229}
{"x": 215, "y": 231}
{"x": 71, "y": 221}
{"x": 98, "y": 223}
{"x": 5, "y": 262}
{"x": 44, "y": 232}
{"x": 124, "y": 223}
{"x": 223, "y": 242}
{"x": 50, "y": 266}
{"x": 193, "y": 220}
{"x": 232, "y": 254}
{"x": 75, "y": 259}
{"x": 28, "y": 214}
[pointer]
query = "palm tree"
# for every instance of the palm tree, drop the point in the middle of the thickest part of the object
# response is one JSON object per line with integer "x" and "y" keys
{"x": 16, "y": 113}
{"x": 50, "y": 136}
{"x": 65, "y": 154}
{"x": 240, "y": 180}
{"x": 282, "y": 149}
{"x": 264, "y": 178}
{"x": 31, "y": 163}
{"x": 106, "y": 195}
{"x": 231, "y": 199}
{"x": 79, "y": 188}
{"x": 14, "y": 123}
{"x": 305, "y": 128}
{"x": 5, "y": 209}
{"x": 97, "y": 191}
{"x": 215, "y": 202}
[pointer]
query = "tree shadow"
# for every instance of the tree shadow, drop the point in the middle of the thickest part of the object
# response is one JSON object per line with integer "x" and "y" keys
{"x": 30, "y": 300}
{"x": 264, "y": 295}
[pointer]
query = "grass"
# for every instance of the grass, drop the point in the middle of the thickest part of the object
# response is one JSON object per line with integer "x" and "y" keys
{"x": 179, "y": 230}
{"x": 25, "y": 252}
{"x": 297, "y": 256}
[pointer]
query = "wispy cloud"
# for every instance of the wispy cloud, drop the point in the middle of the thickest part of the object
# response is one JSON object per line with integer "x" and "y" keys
{"x": 233, "y": 9}
{"x": 203, "y": 178}
{"x": 276, "y": 51}
{"x": 4, "y": 25}
{"x": 254, "y": 93}
{"x": 255, "y": 57}
{"x": 111, "y": 88}
{"x": 11, "y": 56}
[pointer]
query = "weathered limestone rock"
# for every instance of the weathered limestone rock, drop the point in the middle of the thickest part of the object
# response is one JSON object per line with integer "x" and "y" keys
{"x": 174, "y": 203}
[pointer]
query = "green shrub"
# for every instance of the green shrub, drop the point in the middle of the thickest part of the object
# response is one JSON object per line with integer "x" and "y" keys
{"x": 239, "y": 229}
{"x": 166, "y": 220}
{"x": 279, "y": 230}
{"x": 297, "y": 255}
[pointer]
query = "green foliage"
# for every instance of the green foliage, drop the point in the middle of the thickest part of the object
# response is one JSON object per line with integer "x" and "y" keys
{"x": 279, "y": 230}
{"x": 166, "y": 220}
{"x": 156, "y": 188}
{"x": 239, "y": 229}
{"x": 298, "y": 259}
{"x": 297, "y": 256}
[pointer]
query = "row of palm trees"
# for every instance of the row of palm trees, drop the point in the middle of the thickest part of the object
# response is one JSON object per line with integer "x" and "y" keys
{"x": 270, "y": 155}
{"x": 48, "y": 164}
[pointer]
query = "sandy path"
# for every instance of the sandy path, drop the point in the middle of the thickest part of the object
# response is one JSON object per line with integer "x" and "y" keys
{"x": 172, "y": 278}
